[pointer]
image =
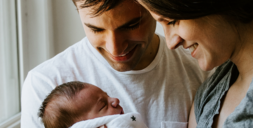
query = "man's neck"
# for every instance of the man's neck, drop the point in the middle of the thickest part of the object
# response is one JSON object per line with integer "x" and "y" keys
{"x": 150, "y": 53}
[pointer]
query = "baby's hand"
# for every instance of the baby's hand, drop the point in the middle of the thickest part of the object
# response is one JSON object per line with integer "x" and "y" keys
{"x": 104, "y": 126}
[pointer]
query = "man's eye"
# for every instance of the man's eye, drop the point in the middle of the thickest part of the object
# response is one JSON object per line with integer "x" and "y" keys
{"x": 96, "y": 30}
{"x": 134, "y": 26}
{"x": 172, "y": 22}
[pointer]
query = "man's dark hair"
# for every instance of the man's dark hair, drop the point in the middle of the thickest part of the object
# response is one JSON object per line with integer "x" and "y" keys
{"x": 56, "y": 110}
{"x": 241, "y": 10}
{"x": 99, "y": 6}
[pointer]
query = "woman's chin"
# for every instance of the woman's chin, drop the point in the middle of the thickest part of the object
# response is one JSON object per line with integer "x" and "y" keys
{"x": 205, "y": 66}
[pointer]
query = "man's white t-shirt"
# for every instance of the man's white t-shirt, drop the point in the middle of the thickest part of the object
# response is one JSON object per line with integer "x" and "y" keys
{"x": 162, "y": 93}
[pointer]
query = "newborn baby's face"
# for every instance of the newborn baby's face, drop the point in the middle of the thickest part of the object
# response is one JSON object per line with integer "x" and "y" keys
{"x": 92, "y": 102}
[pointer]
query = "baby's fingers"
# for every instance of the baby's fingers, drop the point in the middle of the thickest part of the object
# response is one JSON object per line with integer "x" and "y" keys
{"x": 104, "y": 126}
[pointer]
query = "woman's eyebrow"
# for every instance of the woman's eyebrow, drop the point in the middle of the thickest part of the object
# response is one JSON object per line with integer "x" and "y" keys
{"x": 160, "y": 19}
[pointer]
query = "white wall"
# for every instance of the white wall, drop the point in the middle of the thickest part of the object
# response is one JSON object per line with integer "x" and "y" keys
{"x": 159, "y": 29}
{"x": 67, "y": 25}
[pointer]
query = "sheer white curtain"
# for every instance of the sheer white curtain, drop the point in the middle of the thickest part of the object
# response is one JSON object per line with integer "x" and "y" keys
{"x": 9, "y": 79}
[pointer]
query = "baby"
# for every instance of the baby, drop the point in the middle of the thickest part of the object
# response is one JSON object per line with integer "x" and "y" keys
{"x": 76, "y": 101}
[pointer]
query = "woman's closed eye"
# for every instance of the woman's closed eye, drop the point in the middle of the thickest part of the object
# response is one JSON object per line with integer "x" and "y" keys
{"x": 172, "y": 22}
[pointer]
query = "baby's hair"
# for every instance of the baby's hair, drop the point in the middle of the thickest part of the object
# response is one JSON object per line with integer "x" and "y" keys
{"x": 56, "y": 110}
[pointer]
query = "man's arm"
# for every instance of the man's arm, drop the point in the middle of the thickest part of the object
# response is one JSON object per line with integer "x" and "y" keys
{"x": 34, "y": 91}
{"x": 192, "y": 119}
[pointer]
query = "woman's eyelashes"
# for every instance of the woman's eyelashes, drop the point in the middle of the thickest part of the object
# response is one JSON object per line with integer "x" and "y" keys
{"x": 172, "y": 22}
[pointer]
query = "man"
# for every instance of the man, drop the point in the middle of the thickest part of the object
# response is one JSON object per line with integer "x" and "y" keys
{"x": 122, "y": 55}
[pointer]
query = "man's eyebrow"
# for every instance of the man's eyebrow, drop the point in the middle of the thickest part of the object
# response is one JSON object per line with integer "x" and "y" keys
{"x": 93, "y": 26}
{"x": 127, "y": 24}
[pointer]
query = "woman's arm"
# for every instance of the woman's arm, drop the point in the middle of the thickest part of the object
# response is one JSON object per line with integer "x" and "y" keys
{"x": 192, "y": 119}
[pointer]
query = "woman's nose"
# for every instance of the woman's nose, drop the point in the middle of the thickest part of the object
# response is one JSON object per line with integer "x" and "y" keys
{"x": 174, "y": 41}
{"x": 114, "y": 102}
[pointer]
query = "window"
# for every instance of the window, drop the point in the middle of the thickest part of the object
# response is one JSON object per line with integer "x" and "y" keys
{"x": 9, "y": 78}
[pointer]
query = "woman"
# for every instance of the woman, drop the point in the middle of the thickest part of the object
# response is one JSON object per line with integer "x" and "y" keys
{"x": 218, "y": 33}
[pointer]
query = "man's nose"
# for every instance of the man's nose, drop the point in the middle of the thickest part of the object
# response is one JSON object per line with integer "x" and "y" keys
{"x": 114, "y": 102}
{"x": 116, "y": 44}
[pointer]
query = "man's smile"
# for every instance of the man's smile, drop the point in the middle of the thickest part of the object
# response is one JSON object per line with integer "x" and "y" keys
{"x": 124, "y": 57}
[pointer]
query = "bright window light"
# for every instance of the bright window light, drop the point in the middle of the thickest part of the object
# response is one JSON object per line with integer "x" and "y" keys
{"x": 9, "y": 79}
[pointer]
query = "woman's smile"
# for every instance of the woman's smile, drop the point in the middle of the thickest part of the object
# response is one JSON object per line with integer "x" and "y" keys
{"x": 193, "y": 49}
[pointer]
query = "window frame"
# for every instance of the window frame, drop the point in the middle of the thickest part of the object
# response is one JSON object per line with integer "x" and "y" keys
{"x": 31, "y": 16}
{"x": 9, "y": 5}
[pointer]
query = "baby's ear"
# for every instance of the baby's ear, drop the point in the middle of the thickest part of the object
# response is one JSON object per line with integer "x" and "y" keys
{"x": 104, "y": 126}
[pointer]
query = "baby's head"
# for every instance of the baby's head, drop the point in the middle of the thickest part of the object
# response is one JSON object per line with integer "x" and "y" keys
{"x": 76, "y": 101}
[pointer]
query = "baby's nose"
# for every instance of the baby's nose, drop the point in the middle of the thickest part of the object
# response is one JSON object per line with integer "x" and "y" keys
{"x": 115, "y": 102}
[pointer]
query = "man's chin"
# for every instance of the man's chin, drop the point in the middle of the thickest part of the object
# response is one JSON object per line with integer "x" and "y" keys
{"x": 121, "y": 67}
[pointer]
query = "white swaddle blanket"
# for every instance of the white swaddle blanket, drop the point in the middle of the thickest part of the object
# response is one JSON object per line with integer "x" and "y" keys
{"x": 129, "y": 120}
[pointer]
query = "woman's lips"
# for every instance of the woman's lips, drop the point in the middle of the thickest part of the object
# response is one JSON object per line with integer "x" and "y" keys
{"x": 124, "y": 57}
{"x": 193, "y": 48}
